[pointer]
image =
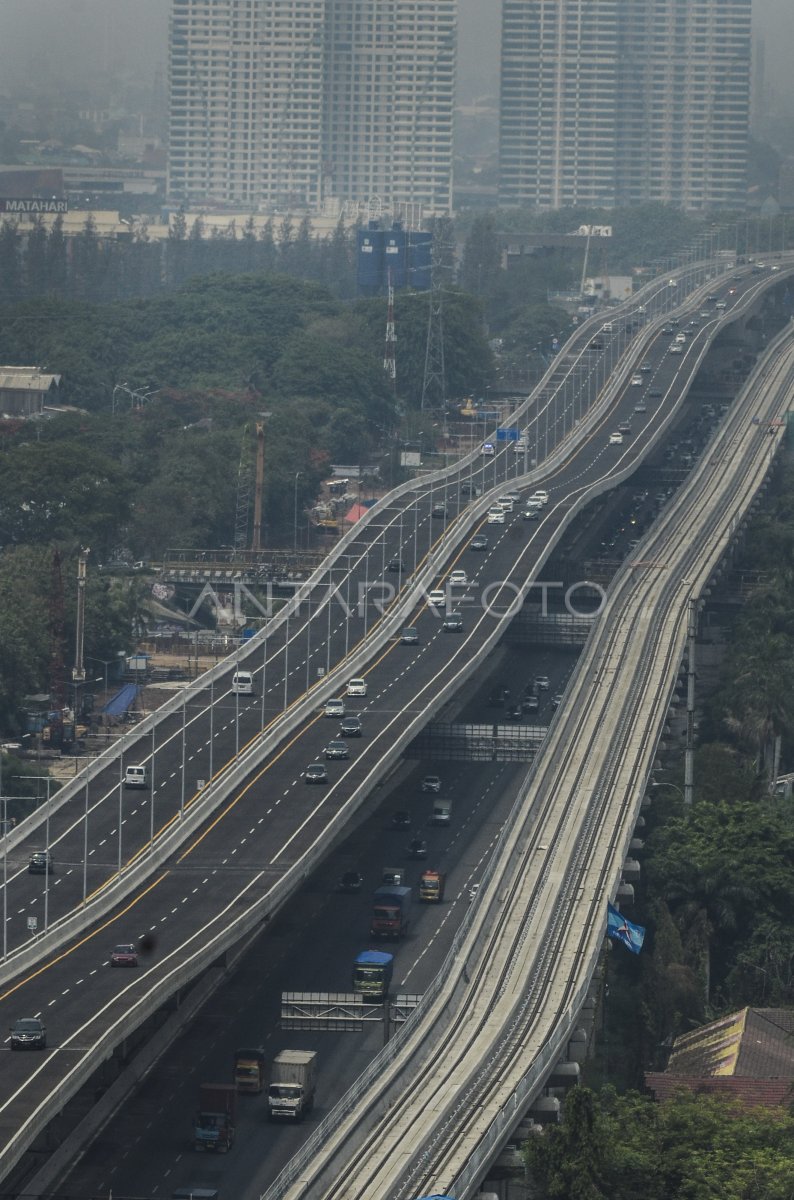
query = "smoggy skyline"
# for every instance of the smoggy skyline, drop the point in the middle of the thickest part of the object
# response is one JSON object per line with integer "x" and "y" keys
{"x": 68, "y": 41}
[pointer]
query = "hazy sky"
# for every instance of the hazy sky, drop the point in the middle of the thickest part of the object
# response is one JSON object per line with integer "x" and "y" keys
{"x": 66, "y": 37}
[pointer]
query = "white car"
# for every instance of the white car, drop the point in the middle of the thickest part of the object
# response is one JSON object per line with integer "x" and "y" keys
{"x": 488, "y": 450}
{"x": 505, "y": 503}
{"x": 540, "y": 495}
{"x": 458, "y": 578}
{"x": 534, "y": 504}
{"x": 334, "y": 707}
{"x": 680, "y": 339}
{"x": 357, "y": 687}
{"x": 521, "y": 445}
{"x": 514, "y": 496}
{"x": 676, "y": 348}
{"x": 616, "y": 439}
{"x": 607, "y": 327}
{"x": 496, "y": 516}
{"x": 437, "y": 598}
{"x": 636, "y": 381}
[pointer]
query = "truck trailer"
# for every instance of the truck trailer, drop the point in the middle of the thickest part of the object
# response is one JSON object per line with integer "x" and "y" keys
{"x": 214, "y": 1123}
{"x": 292, "y": 1083}
{"x": 372, "y": 972}
{"x": 391, "y": 912}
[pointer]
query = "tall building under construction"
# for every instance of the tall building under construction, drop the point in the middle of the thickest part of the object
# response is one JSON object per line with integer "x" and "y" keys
{"x": 615, "y": 102}
{"x": 287, "y": 104}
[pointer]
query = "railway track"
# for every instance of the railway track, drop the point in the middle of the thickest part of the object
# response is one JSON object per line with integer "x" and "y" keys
{"x": 513, "y": 986}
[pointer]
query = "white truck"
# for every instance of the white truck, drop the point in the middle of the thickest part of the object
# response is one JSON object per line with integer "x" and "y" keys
{"x": 292, "y": 1081}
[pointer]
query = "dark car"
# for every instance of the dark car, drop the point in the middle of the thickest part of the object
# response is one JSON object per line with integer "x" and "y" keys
{"x": 124, "y": 956}
{"x": 28, "y": 1033}
{"x": 646, "y": 367}
{"x": 395, "y": 564}
{"x": 530, "y": 703}
{"x": 350, "y": 882}
{"x": 417, "y": 848}
{"x": 350, "y": 727}
{"x": 316, "y": 773}
{"x": 624, "y": 428}
{"x": 430, "y": 783}
{"x": 401, "y": 819}
{"x": 499, "y": 696}
{"x": 41, "y": 863}
{"x": 438, "y": 510}
{"x": 453, "y": 622}
{"x": 409, "y": 636}
{"x": 337, "y": 750}
{"x": 478, "y": 542}
{"x": 514, "y": 712}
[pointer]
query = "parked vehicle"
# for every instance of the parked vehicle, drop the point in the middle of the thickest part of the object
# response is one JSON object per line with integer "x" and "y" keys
{"x": 442, "y": 812}
{"x": 292, "y": 1083}
{"x": 391, "y": 912}
{"x": 249, "y": 1069}
{"x": 372, "y": 972}
{"x": 214, "y": 1125}
{"x": 431, "y": 887}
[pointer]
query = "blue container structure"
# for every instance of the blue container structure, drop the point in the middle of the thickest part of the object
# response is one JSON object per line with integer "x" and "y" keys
{"x": 404, "y": 256}
{"x": 369, "y": 260}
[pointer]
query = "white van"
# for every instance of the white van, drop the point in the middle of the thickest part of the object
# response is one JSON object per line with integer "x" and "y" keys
{"x": 243, "y": 684}
{"x": 137, "y": 777}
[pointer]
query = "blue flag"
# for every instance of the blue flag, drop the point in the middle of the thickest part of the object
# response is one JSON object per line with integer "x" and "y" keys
{"x": 632, "y": 936}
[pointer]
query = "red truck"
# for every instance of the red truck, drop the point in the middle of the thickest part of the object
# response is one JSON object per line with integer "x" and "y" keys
{"x": 214, "y": 1123}
{"x": 391, "y": 912}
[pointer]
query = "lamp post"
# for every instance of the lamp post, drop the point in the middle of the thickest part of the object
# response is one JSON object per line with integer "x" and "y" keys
{"x": 674, "y": 786}
{"x": 47, "y": 780}
{"x": 295, "y": 513}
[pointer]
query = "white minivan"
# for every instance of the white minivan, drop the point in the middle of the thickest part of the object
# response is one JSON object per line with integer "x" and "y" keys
{"x": 243, "y": 684}
{"x": 137, "y": 777}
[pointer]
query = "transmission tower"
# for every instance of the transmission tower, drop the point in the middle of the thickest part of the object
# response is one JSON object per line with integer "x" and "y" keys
{"x": 434, "y": 382}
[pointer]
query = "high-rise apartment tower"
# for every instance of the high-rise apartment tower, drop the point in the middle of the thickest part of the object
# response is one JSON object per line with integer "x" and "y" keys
{"x": 624, "y": 101}
{"x": 287, "y": 103}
